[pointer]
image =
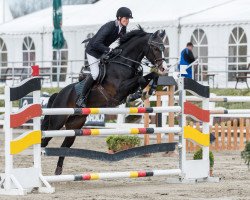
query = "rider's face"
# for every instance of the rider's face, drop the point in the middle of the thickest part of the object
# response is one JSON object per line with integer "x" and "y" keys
{"x": 124, "y": 21}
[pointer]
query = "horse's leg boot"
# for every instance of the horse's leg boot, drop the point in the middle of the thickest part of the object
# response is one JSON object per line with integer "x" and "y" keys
{"x": 81, "y": 102}
{"x": 135, "y": 96}
{"x": 152, "y": 89}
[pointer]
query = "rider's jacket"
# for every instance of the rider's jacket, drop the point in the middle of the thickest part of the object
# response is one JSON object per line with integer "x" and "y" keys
{"x": 106, "y": 35}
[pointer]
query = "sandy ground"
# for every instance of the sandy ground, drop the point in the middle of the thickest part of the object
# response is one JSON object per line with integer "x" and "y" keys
{"x": 235, "y": 178}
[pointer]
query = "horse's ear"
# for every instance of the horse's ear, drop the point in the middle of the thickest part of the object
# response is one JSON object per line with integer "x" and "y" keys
{"x": 162, "y": 34}
{"x": 155, "y": 34}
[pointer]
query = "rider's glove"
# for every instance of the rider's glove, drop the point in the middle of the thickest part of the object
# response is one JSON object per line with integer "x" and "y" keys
{"x": 115, "y": 51}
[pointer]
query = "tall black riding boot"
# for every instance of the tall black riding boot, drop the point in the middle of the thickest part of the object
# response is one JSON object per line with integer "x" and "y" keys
{"x": 81, "y": 102}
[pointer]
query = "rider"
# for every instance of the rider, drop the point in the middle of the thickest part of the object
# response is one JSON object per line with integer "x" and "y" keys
{"x": 99, "y": 45}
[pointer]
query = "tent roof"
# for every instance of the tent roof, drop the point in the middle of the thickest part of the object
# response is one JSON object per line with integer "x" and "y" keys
{"x": 237, "y": 11}
{"x": 165, "y": 12}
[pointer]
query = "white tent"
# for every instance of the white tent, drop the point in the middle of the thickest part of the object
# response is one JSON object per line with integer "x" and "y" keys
{"x": 183, "y": 21}
{"x": 147, "y": 11}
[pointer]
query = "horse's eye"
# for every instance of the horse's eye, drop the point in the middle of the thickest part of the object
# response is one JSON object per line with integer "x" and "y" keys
{"x": 161, "y": 47}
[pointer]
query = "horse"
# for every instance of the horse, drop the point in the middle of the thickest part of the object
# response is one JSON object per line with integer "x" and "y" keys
{"x": 123, "y": 77}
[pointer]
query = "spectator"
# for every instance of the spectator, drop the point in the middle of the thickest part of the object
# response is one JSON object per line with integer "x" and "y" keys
{"x": 187, "y": 58}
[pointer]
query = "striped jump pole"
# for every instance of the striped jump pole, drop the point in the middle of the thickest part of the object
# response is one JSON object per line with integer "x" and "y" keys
{"x": 111, "y": 175}
{"x": 95, "y": 132}
{"x": 110, "y": 111}
{"x": 232, "y": 111}
{"x": 231, "y": 115}
{"x": 229, "y": 99}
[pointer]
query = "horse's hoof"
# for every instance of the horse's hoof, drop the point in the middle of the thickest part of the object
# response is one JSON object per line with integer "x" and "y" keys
{"x": 58, "y": 170}
{"x": 43, "y": 153}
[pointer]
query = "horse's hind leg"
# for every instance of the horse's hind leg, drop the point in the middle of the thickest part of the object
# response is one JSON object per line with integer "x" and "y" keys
{"x": 45, "y": 141}
{"x": 46, "y": 120}
{"x": 56, "y": 122}
{"x": 68, "y": 142}
{"x": 74, "y": 122}
{"x": 44, "y": 127}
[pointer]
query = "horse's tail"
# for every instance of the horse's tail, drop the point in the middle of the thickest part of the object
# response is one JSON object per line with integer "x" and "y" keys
{"x": 45, "y": 122}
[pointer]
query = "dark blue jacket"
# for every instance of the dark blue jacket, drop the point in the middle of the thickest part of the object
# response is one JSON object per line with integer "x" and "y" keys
{"x": 187, "y": 58}
{"x": 106, "y": 35}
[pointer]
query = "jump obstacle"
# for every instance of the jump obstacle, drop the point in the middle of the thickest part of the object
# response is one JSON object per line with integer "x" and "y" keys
{"x": 20, "y": 181}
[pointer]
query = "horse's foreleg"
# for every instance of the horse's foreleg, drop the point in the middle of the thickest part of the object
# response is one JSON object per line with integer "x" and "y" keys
{"x": 151, "y": 76}
{"x": 130, "y": 85}
{"x": 137, "y": 84}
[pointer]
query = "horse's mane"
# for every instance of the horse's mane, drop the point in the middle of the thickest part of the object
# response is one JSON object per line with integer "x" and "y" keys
{"x": 131, "y": 34}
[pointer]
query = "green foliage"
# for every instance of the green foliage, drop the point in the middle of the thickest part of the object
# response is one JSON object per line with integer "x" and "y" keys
{"x": 119, "y": 143}
{"x": 198, "y": 156}
{"x": 51, "y": 90}
{"x": 232, "y": 92}
{"x": 111, "y": 121}
{"x": 246, "y": 154}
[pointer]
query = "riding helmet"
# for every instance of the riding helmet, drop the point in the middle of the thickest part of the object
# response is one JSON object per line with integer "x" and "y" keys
{"x": 124, "y": 12}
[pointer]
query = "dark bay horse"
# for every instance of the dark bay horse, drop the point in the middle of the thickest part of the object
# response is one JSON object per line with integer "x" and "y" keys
{"x": 122, "y": 79}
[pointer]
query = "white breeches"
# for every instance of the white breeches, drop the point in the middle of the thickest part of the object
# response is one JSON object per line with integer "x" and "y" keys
{"x": 94, "y": 66}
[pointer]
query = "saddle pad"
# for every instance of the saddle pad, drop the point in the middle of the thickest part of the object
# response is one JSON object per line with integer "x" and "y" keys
{"x": 79, "y": 87}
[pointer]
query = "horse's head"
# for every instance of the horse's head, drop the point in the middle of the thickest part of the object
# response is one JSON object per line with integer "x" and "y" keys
{"x": 154, "y": 52}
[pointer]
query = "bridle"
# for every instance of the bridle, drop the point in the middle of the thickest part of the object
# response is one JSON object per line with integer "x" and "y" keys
{"x": 151, "y": 43}
{"x": 159, "y": 45}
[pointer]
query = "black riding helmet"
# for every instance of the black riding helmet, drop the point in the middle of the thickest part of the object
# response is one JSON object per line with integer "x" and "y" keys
{"x": 124, "y": 12}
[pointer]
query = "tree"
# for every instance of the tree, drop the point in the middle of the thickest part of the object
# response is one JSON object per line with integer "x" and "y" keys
{"x": 24, "y": 7}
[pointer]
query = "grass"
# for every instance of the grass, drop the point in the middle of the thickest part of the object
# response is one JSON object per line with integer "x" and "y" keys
{"x": 232, "y": 92}
{"x": 51, "y": 90}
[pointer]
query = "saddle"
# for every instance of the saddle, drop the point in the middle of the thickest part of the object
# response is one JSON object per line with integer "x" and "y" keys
{"x": 101, "y": 76}
{"x": 97, "y": 85}
{"x": 102, "y": 73}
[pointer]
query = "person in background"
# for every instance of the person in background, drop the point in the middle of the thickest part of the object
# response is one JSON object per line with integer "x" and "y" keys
{"x": 187, "y": 58}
